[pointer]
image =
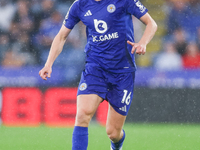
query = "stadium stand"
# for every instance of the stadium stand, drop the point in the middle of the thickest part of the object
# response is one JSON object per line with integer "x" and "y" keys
{"x": 25, "y": 42}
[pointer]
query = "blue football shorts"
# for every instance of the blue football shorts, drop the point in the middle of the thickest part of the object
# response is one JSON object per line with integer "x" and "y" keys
{"x": 116, "y": 88}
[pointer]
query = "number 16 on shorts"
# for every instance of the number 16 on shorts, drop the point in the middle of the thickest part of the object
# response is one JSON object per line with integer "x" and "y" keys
{"x": 126, "y": 100}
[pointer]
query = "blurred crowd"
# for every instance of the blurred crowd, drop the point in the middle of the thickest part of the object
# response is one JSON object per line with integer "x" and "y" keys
{"x": 27, "y": 28}
{"x": 181, "y": 44}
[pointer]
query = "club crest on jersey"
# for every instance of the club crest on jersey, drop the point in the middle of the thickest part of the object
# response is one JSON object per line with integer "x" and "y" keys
{"x": 111, "y": 8}
{"x": 83, "y": 86}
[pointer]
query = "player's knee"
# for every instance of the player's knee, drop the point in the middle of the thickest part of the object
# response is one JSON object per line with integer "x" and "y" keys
{"x": 83, "y": 117}
{"x": 113, "y": 134}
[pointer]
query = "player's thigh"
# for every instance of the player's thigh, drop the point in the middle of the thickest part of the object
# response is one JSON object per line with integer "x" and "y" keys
{"x": 115, "y": 122}
{"x": 86, "y": 107}
{"x": 115, "y": 119}
{"x": 88, "y": 103}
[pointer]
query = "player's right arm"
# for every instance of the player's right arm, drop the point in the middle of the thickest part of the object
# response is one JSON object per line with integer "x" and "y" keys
{"x": 70, "y": 21}
{"x": 55, "y": 50}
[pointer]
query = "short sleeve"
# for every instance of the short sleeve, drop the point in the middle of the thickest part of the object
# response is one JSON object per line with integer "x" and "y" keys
{"x": 136, "y": 8}
{"x": 72, "y": 18}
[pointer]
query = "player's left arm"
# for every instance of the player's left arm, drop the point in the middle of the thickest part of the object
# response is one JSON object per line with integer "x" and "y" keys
{"x": 149, "y": 32}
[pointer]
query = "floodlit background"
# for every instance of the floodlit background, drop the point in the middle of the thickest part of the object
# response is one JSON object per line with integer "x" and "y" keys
{"x": 36, "y": 114}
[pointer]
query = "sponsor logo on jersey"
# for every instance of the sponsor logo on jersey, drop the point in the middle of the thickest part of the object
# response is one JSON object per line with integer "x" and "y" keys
{"x": 100, "y": 26}
{"x": 83, "y": 86}
{"x": 105, "y": 37}
{"x": 88, "y": 13}
{"x": 140, "y": 6}
{"x": 111, "y": 8}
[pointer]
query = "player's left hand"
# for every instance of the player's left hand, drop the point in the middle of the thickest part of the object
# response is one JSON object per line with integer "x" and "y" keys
{"x": 137, "y": 48}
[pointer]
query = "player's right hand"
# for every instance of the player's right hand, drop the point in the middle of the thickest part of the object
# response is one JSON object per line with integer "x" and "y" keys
{"x": 45, "y": 72}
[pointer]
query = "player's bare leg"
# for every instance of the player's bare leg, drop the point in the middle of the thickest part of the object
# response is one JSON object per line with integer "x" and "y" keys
{"x": 114, "y": 125}
{"x": 86, "y": 107}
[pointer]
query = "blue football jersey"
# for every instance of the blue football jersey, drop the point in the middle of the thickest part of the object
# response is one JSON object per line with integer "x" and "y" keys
{"x": 108, "y": 27}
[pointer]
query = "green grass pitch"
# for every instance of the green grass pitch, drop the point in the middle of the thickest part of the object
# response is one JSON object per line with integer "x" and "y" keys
{"x": 138, "y": 137}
